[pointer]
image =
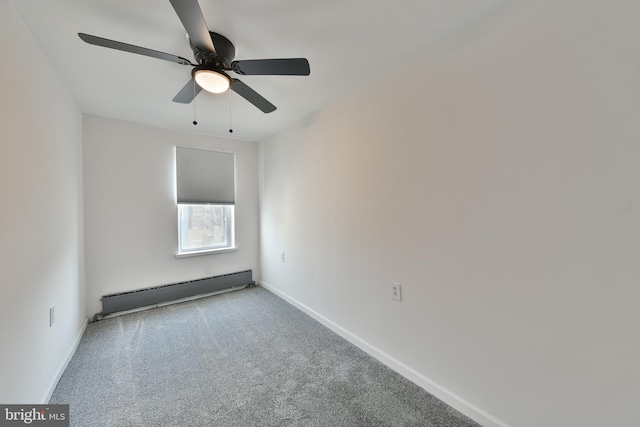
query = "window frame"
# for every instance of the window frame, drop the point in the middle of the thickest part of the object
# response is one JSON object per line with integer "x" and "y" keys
{"x": 230, "y": 230}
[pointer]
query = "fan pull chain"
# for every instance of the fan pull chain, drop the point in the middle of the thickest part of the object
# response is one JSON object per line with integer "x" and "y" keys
{"x": 230, "y": 128}
{"x": 195, "y": 122}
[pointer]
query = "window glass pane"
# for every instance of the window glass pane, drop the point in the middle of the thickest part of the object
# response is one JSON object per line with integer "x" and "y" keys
{"x": 202, "y": 227}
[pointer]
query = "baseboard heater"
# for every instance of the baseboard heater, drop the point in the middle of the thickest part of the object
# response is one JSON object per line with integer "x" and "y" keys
{"x": 131, "y": 300}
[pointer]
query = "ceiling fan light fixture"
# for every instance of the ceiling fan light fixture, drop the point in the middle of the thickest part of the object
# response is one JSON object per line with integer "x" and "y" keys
{"x": 211, "y": 80}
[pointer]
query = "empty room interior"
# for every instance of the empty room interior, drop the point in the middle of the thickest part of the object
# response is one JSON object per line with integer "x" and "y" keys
{"x": 450, "y": 193}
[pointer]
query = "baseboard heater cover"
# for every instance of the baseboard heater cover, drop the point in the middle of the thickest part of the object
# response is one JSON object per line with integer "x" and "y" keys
{"x": 130, "y": 300}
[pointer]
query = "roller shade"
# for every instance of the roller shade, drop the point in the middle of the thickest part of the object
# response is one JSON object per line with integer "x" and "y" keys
{"x": 205, "y": 177}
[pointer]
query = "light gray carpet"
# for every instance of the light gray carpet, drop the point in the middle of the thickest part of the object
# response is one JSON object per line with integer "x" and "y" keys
{"x": 244, "y": 358}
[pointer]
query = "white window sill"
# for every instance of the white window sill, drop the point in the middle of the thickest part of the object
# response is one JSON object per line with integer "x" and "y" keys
{"x": 205, "y": 252}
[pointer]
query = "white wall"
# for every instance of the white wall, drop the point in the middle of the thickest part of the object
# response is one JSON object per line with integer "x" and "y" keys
{"x": 130, "y": 211}
{"x": 498, "y": 181}
{"x": 41, "y": 237}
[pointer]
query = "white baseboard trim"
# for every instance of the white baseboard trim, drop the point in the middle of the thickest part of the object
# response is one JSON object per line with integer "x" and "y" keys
{"x": 411, "y": 374}
{"x": 67, "y": 359}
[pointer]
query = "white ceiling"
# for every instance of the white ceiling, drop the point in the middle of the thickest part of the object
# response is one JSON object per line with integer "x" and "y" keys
{"x": 347, "y": 43}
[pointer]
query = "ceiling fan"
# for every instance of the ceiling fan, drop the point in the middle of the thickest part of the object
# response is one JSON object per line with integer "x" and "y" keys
{"x": 214, "y": 55}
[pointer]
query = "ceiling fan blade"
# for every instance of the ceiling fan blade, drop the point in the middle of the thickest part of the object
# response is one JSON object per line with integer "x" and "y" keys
{"x": 272, "y": 67}
{"x": 187, "y": 93}
{"x": 112, "y": 44}
{"x": 252, "y": 96}
{"x": 193, "y": 21}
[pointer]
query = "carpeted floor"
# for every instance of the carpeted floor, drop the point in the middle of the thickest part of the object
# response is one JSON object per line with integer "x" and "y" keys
{"x": 243, "y": 358}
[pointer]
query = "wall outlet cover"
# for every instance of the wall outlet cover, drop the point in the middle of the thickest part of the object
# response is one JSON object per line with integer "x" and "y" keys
{"x": 396, "y": 291}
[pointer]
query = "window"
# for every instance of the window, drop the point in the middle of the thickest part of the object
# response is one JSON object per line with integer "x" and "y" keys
{"x": 205, "y": 184}
{"x": 205, "y": 227}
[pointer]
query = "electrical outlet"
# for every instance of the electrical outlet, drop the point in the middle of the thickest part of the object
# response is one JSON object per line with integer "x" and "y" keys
{"x": 396, "y": 291}
{"x": 282, "y": 257}
{"x": 52, "y": 315}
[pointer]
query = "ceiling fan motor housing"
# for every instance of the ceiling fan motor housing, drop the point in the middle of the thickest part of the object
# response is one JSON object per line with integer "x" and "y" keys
{"x": 222, "y": 57}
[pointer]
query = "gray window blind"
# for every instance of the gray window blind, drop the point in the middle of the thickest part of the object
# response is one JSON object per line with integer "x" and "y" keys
{"x": 205, "y": 177}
